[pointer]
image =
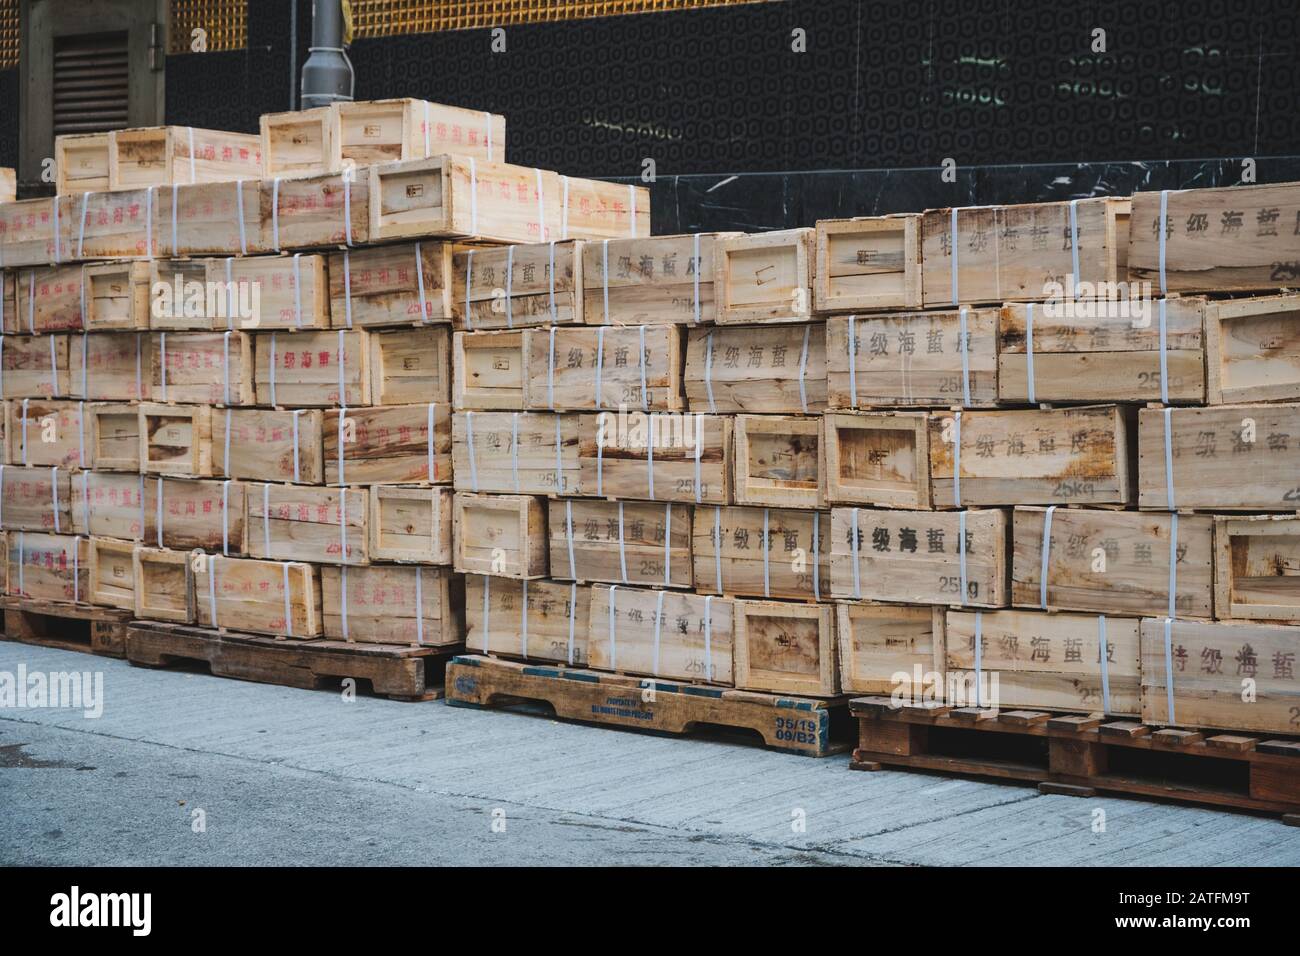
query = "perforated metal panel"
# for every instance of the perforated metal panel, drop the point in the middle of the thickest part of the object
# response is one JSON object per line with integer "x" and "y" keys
{"x": 224, "y": 26}
{"x": 383, "y": 18}
{"x": 90, "y": 83}
{"x": 8, "y": 34}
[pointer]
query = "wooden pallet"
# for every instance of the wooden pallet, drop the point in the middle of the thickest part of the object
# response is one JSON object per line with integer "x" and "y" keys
{"x": 1082, "y": 755}
{"x": 802, "y": 725}
{"x": 399, "y": 672}
{"x": 70, "y": 627}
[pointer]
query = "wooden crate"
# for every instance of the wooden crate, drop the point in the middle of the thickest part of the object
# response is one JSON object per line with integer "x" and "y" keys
{"x": 914, "y": 359}
{"x": 48, "y": 567}
{"x": 312, "y": 369}
{"x": 534, "y": 453}
{"x": 786, "y": 648}
{"x": 219, "y": 218}
{"x": 1107, "y": 350}
{"x": 518, "y": 286}
{"x": 1201, "y": 224}
{"x": 45, "y": 299}
{"x": 621, "y": 542}
{"x": 167, "y": 155}
{"x": 780, "y": 461}
{"x": 500, "y": 535}
{"x": 117, "y": 296}
{"x": 764, "y": 277}
{"x": 490, "y": 370}
{"x": 294, "y": 291}
{"x": 8, "y": 309}
{"x": 81, "y": 164}
{"x": 1032, "y": 659}
{"x": 1257, "y": 568}
{"x": 32, "y": 235}
{"x": 8, "y": 184}
{"x": 772, "y": 369}
{"x": 659, "y": 456}
{"x": 877, "y": 458}
{"x": 389, "y": 444}
{"x": 113, "y": 225}
{"x": 175, "y": 440}
{"x": 1227, "y": 458}
{"x": 112, "y": 436}
{"x": 410, "y": 366}
{"x": 405, "y": 284}
{"x": 164, "y": 584}
{"x": 260, "y": 443}
{"x": 297, "y": 143}
{"x": 210, "y": 368}
{"x": 914, "y": 557}
{"x": 1113, "y": 562}
{"x": 306, "y": 523}
{"x": 456, "y": 197}
{"x": 605, "y": 367}
{"x": 670, "y": 634}
{"x": 1077, "y": 456}
{"x": 535, "y": 620}
{"x": 107, "y": 504}
{"x": 179, "y": 309}
{"x": 390, "y": 604}
{"x": 868, "y": 264}
{"x": 112, "y": 573}
{"x": 182, "y": 514}
{"x": 1023, "y": 252}
{"x": 1251, "y": 349}
{"x": 365, "y": 132}
{"x": 653, "y": 280}
{"x": 35, "y": 366}
{"x": 727, "y": 545}
{"x": 889, "y": 647}
{"x": 1208, "y": 664}
{"x": 411, "y": 524}
{"x": 281, "y": 598}
{"x": 110, "y": 366}
{"x": 328, "y": 211}
{"x": 49, "y": 433}
{"x": 36, "y": 499}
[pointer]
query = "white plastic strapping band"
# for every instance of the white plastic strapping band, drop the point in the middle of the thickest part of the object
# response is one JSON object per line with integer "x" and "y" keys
{"x": 708, "y": 371}
{"x": 1164, "y": 354}
{"x": 853, "y": 362}
{"x": 853, "y": 538}
{"x": 1173, "y": 564}
{"x": 1074, "y": 243}
{"x": 1029, "y": 354}
{"x": 622, "y": 546}
{"x": 1169, "y": 460}
{"x": 952, "y": 242}
{"x": 956, "y": 460}
{"x": 1046, "y": 552}
{"x": 1169, "y": 668}
{"x": 568, "y": 530}
{"x": 469, "y": 448}
{"x": 964, "y": 347}
{"x": 1102, "y": 652}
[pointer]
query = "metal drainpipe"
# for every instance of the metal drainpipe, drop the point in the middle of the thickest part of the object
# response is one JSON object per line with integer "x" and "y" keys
{"x": 327, "y": 75}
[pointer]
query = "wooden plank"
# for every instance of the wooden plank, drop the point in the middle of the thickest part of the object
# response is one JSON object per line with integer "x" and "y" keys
{"x": 36, "y": 499}
{"x": 621, "y": 542}
{"x": 762, "y": 552}
{"x": 659, "y": 456}
{"x": 168, "y": 155}
{"x": 112, "y": 436}
{"x": 112, "y": 573}
{"x": 47, "y": 299}
{"x": 913, "y": 556}
{"x": 1251, "y": 347}
{"x": 1228, "y": 458}
{"x": 1033, "y": 456}
{"x": 389, "y": 604}
{"x": 203, "y": 368}
{"x": 887, "y": 647}
{"x": 48, "y": 567}
{"x": 1103, "y": 350}
{"x": 47, "y": 433}
{"x": 312, "y": 369}
{"x": 182, "y": 514}
{"x": 1022, "y": 252}
{"x": 175, "y": 439}
{"x": 1114, "y": 562}
{"x": 305, "y": 523}
{"x": 264, "y": 443}
{"x": 389, "y": 444}
{"x": 281, "y": 598}
{"x": 81, "y": 164}
{"x": 518, "y": 286}
{"x": 8, "y": 184}
{"x": 29, "y": 237}
{"x": 364, "y": 132}
{"x": 1217, "y": 240}
{"x": 117, "y": 296}
{"x": 108, "y": 504}
{"x": 878, "y": 458}
{"x": 662, "y": 634}
{"x": 292, "y": 292}
{"x": 518, "y": 452}
{"x": 164, "y": 584}
{"x": 913, "y": 359}
{"x": 1257, "y": 568}
{"x": 297, "y": 143}
{"x": 411, "y": 524}
{"x": 1030, "y": 659}
{"x": 868, "y": 263}
{"x": 501, "y": 535}
{"x": 490, "y": 370}
{"x": 111, "y": 225}
{"x": 326, "y": 211}
{"x": 764, "y": 277}
{"x": 651, "y": 280}
{"x": 577, "y": 369}
{"x": 786, "y": 648}
{"x": 110, "y": 366}
{"x": 1234, "y": 676}
{"x": 780, "y": 461}
{"x": 535, "y": 620}
{"x": 35, "y": 366}
{"x": 772, "y": 368}
{"x": 216, "y": 218}
{"x": 404, "y": 284}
